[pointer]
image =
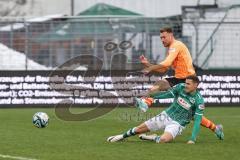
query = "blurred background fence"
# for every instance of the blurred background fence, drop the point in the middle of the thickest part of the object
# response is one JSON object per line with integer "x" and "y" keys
{"x": 47, "y": 42}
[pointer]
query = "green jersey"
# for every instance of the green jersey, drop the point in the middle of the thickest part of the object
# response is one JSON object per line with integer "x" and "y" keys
{"x": 185, "y": 106}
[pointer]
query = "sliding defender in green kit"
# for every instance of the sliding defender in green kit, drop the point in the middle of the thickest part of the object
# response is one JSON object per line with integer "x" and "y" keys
{"x": 188, "y": 105}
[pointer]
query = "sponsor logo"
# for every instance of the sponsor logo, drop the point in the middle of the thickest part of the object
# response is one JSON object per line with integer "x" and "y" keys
{"x": 183, "y": 103}
{"x": 192, "y": 100}
{"x": 201, "y": 106}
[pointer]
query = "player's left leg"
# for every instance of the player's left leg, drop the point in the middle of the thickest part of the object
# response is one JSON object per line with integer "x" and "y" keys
{"x": 145, "y": 102}
{"x": 162, "y": 85}
{"x": 217, "y": 129}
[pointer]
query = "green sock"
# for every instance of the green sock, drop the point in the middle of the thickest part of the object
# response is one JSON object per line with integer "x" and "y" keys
{"x": 130, "y": 132}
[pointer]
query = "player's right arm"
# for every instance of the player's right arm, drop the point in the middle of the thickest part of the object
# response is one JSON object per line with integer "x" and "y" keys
{"x": 172, "y": 55}
{"x": 147, "y": 64}
{"x": 171, "y": 93}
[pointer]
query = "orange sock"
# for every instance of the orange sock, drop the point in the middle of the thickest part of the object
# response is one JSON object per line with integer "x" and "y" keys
{"x": 149, "y": 101}
{"x": 208, "y": 124}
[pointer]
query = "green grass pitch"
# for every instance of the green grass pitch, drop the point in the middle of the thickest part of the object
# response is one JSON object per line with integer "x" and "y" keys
{"x": 63, "y": 140}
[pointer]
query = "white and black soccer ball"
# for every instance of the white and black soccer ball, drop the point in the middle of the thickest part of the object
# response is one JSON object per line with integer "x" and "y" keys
{"x": 40, "y": 119}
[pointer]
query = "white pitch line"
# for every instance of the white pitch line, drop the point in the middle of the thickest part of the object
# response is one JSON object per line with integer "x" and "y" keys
{"x": 15, "y": 157}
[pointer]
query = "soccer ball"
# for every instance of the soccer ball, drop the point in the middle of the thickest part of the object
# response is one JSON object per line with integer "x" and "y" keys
{"x": 40, "y": 119}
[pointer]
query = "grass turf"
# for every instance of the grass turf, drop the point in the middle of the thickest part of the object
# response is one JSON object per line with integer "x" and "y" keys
{"x": 63, "y": 140}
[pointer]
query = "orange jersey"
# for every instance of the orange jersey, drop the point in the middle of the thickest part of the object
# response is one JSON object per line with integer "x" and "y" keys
{"x": 180, "y": 59}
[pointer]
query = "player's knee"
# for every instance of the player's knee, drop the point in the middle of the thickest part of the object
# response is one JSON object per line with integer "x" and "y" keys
{"x": 137, "y": 130}
{"x": 154, "y": 89}
{"x": 163, "y": 85}
{"x": 141, "y": 129}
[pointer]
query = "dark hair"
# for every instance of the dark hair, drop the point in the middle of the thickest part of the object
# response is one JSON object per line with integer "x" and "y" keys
{"x": 166, "y": 29}
{"x": 194, "y": 79}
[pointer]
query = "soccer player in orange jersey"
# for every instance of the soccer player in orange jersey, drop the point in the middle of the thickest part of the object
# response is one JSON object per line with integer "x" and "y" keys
{"x": 179, "y": 58}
